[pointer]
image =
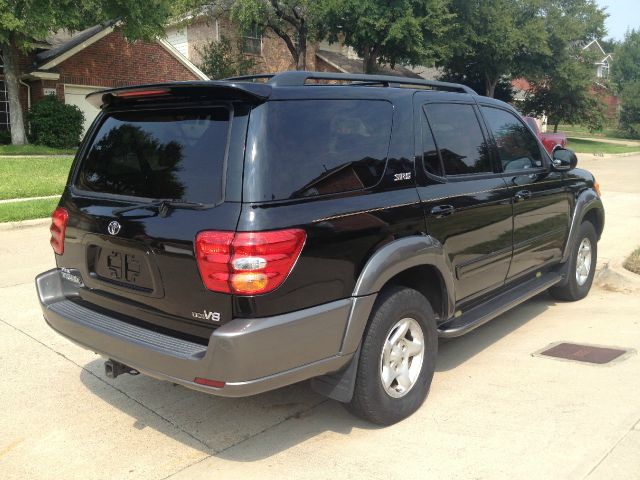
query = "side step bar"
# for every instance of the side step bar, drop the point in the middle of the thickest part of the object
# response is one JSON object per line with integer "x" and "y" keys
{"x": 481, "y": 314}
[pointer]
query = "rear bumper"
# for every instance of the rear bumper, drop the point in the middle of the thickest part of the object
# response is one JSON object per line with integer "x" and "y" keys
{"x": 250, "y": 355}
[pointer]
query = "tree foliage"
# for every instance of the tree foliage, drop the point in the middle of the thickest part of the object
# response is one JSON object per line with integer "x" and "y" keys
{"x": 630, "y": 109}
{"x": 25, "y": 22}
{"x": 296, "y": 22}
{"x": 382, "y": 32}
{"x": 221, "y": 60}
{"x": 566, "y": 94}
{"x": 509, "y": 38}
{"x": 625, "y": 67}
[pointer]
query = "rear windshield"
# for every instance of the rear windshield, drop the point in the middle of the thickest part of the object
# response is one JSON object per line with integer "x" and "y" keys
{"x": 172, "y": 154}
{"x": 304, "y": 148}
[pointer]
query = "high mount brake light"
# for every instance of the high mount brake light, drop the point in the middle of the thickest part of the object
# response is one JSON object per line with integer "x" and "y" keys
{"x": 141, "y": 93}
{"x": 58, "y": 228}
{"x": 247, "y": 263}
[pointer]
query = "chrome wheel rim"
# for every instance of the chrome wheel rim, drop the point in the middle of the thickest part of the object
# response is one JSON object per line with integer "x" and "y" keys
{"x": 402, "y": 357}
{"x": 583, "y": 262}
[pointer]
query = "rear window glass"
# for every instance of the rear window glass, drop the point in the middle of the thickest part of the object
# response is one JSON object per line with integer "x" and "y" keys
{"x": 158, "y": 154}
{"x": 303, "y": 148}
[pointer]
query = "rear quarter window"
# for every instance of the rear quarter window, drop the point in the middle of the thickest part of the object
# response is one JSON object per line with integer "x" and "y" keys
{"x": 306, "y": 148}
{"x": 172, "y": 154}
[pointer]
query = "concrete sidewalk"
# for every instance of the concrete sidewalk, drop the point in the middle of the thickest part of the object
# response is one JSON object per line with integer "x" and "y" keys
{"x": 495, "y": 410}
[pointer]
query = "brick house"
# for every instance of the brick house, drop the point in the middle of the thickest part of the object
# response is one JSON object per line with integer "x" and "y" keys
{"x": 72, "y": 66}
{"x": 267, "y": 50}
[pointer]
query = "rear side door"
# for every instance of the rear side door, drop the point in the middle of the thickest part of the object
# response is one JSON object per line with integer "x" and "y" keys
{"x": 541, "y": 204}
{"x": 466, "y": 202}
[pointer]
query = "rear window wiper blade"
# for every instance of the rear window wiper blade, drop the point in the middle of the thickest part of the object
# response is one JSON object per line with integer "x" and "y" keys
{"x": 163, "y": 206}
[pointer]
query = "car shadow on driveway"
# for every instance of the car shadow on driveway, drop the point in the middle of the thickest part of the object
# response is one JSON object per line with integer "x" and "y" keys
{"x": 214, "y": 424}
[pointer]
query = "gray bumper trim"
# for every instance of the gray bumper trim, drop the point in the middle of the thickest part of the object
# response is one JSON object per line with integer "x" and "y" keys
{"x": 250, "y": 355}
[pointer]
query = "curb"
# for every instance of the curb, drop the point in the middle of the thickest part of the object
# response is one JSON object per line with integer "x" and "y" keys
{"x": 27, "y": 199}
{"x": 614, "y": 277}
{"x": 38, "y": 222}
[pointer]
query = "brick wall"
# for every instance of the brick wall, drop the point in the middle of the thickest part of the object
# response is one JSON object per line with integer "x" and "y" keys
{"x": 275, "y": 56}
{"x": 114, "y": 62}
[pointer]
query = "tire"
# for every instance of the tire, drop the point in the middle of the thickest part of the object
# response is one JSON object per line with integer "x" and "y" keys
{"x": 395, "y": 309}
{"x": 575, "y": 288}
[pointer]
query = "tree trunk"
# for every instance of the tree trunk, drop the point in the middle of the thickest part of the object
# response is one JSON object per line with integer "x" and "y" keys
{"x": 11, "y": 75}
{"x": 369, "y": 61}
{"x": 301, "y": 61}
{"x": 490, "y": 86}
{"x": 555, "y": 126}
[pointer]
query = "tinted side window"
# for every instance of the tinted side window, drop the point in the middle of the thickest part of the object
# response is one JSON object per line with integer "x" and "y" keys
{"x": 430, "y": 157}
{"x": 459, "y": 138}
{"x": 302, "y": 148}
{"x": 517, "y": 147}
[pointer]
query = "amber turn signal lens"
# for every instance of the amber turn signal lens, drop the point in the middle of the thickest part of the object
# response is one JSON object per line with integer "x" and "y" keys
{"x": 596, "y": 187}
{"x": 249, "y": 282}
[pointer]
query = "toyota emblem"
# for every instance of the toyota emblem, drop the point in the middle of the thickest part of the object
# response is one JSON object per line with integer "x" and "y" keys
{"x": 114, "y": 228}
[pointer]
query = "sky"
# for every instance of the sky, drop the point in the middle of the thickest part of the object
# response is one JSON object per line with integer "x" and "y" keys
{"x": 623, "y": 15}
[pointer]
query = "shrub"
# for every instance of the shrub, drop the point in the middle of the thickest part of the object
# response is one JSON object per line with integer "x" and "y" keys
{"x": 630, "y": 109}
{"x": 5, "y": 137}
{"x": 55, "y": 124}
{"x": 221, "y": 60}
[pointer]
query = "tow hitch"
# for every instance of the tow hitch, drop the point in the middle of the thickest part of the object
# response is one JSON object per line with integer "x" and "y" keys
{"x": 112, "y": 369}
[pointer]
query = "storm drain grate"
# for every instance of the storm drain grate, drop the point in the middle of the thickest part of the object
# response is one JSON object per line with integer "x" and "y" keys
{"x": 584, "y": 353}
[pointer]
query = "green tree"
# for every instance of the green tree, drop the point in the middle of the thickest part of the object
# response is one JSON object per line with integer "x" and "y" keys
{"x": 498, "y": 39}
{"x": 296, "y": 22}
{"x": 630, "y": 109}
{"x": 566, "y": 93}
{"x": 25, "y": 22}
{"x": 383, "y": 32}
{"x": 625, "y": 67}
{"x": 221, "y": 60}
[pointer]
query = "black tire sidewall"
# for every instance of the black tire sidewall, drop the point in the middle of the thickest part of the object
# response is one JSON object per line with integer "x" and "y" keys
{"x": 572, "y": 290}
{"x": 371, "y": 400}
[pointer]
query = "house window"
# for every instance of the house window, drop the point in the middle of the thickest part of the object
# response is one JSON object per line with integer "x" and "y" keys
{"x": 252, "y": 41}
{"x": 605, "y": 69}
{"x": 5, "y": 122}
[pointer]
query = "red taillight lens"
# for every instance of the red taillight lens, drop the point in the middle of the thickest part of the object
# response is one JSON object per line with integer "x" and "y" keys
{"x": 247, "y": 263}
{"x": 209, "y": 383}
{"x": 58, "y": 228}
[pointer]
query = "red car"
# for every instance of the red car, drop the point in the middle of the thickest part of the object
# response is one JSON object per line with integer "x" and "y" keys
{"x": 551, "y": 141}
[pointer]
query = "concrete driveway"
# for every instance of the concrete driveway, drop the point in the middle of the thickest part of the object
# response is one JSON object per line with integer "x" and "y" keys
{"x": 495, "y": 410}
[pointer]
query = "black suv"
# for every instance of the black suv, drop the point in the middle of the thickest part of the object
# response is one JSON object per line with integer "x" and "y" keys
{"x": 241, "y": 235}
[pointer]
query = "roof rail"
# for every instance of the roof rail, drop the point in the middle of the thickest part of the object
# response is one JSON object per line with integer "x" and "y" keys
{"x": 299, "y": 79}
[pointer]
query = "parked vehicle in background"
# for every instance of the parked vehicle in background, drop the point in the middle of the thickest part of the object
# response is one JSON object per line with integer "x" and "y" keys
{"x": 551, "y": 141}
{"x": 235, "y": 236}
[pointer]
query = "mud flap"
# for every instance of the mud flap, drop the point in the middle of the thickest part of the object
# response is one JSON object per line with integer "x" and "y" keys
{"x": 339, "y": 385}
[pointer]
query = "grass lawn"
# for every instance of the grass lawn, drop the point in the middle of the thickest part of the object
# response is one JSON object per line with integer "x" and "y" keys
{"x": 34, "y": 150}
{"x": 582, "y": 131}
{"x": 23, "y": 177}
{"x": 591, "y": 146}
{"x": 632, "y": 263}
{"x": 13, "y": 212}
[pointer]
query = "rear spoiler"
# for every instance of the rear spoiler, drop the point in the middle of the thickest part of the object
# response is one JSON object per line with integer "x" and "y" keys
{"x": 257, "y": 92}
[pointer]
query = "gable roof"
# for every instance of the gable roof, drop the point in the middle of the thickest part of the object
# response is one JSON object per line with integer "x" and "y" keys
{"x": 345, "y": 64}
{"x": 592, "y": 43}
{"x": 76, "y": 43}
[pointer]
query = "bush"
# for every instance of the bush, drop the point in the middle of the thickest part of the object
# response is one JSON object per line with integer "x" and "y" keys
{"x": 5, "y": 137}
{"x": 630, "y": 109}
{"x": 221, "y": 60}
{"x": 55, "y": 124}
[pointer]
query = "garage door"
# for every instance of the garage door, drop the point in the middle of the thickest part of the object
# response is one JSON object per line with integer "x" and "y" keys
{"x": 76, "y": 96}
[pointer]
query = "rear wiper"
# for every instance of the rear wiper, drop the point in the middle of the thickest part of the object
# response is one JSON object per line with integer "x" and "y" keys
{"x": 163, "y": 206}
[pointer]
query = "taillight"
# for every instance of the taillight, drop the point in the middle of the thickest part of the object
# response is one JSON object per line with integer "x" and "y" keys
{"x": 247, "y": 263}
{"x": 58, "y": 228}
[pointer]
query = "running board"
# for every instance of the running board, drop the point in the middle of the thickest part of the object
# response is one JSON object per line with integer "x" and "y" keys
{"x": 481, "y": 314}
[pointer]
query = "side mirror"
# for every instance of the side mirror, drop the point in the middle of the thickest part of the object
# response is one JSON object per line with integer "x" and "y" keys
{"x": 564, "y": 159}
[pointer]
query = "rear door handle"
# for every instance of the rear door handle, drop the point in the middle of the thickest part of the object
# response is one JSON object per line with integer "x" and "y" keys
{"x": 440, "y": 211}
{"x": 522, "y": 195}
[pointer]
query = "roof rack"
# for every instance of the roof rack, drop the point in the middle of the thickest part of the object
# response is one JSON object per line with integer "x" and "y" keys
{"x": 299, "y": 79}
